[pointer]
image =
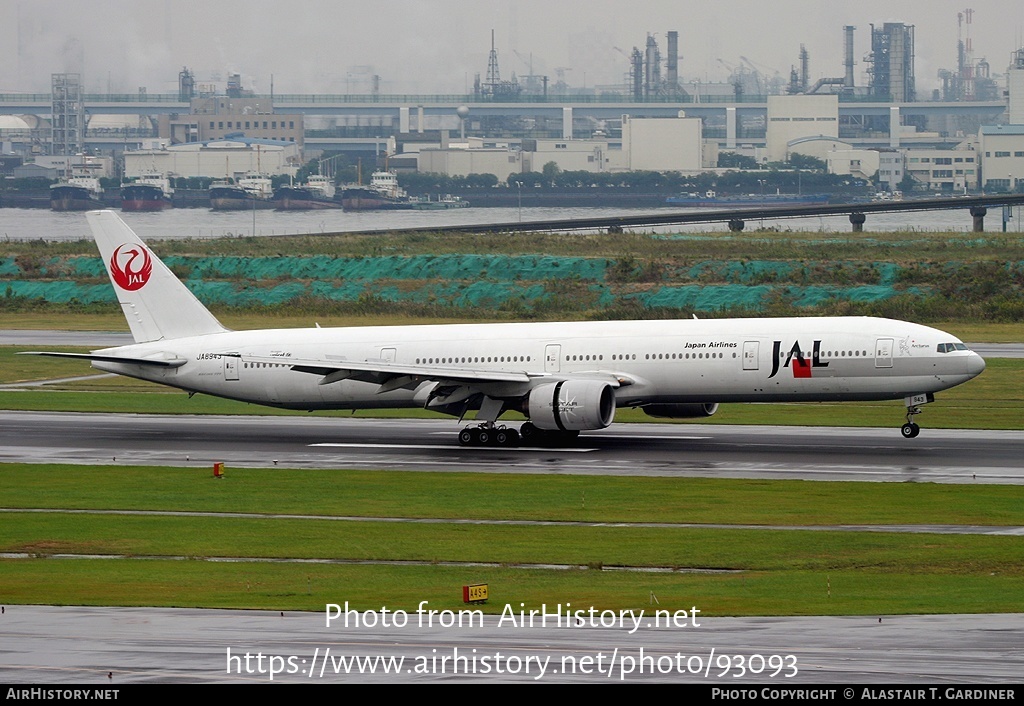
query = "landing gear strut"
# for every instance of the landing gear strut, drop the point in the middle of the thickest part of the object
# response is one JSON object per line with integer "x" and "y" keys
{"x": 910, "y": 429}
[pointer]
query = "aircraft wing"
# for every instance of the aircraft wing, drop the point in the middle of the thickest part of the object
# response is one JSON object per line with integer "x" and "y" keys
{"x": 391, "y": 376}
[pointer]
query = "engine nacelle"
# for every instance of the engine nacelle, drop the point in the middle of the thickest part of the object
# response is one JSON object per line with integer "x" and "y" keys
{"x": 681, "y": 411}
{"x": 572, "y": 405}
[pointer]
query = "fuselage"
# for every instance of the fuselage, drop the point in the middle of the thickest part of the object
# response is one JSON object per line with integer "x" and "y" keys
{"x": 657, "y": 362}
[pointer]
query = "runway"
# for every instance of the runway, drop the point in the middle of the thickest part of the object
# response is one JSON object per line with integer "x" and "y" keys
{"x": 674, "y": 450}
{"x": 81, "y": 645}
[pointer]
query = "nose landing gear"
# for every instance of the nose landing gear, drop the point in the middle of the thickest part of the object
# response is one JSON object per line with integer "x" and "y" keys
{"x": 910, "y": 429}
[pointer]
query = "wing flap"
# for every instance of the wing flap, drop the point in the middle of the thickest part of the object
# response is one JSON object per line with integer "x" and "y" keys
{"x": 382, "y": 371}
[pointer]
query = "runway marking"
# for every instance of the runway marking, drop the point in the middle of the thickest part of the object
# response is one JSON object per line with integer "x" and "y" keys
{"x": 421, "y": 447}
{"x": 653, "y": 437}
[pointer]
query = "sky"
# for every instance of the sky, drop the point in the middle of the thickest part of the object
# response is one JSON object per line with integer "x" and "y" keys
{"x": 437, "y": 46}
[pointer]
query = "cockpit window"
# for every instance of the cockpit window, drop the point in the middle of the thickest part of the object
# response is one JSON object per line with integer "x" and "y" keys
{"x": 950, "y": 347}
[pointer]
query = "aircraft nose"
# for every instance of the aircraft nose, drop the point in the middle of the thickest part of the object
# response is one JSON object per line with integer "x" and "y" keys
{"x": 975, "y": 364}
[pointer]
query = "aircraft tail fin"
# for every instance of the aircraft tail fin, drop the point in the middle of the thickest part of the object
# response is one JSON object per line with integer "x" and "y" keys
{"x": 156, "y": 303}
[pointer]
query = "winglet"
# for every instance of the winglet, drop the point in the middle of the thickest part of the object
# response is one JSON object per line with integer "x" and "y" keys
{"x": 155, "y": 302}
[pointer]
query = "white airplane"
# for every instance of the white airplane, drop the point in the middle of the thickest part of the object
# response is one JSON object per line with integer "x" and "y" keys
{"x": 566, "y": 377}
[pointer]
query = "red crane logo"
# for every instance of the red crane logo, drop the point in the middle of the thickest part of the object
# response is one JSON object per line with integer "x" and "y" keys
{"x": 126, "y": 271}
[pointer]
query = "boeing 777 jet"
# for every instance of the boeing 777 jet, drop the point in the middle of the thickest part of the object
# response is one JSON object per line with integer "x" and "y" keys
{"x": 565, "y": 377}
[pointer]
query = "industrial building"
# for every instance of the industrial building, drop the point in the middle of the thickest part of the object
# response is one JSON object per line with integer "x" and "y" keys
{"x": 1002, "y": 157}
{"x": 229, "y": 158}
{"x": 792, "y": 118}
{"x": 655, "y": 144}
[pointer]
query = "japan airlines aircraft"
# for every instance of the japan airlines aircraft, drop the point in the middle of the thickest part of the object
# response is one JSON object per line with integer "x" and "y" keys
{"x": 565, "y": 377}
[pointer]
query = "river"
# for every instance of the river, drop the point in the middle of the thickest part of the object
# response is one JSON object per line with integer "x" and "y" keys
{"x": 36, "y": 224}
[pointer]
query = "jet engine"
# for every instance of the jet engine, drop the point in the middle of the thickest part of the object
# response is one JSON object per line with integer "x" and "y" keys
{"x": 681, "y": 411}
{"x": 572, "y": 405}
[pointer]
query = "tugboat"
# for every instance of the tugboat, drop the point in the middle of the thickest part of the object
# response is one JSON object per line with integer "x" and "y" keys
{"x": 150, "y": 192}
{"x": 81, "y": 191}
{"x": 382, "y": 193}
{"x": 316, "y": 193}
{"x": 252, "y": 191}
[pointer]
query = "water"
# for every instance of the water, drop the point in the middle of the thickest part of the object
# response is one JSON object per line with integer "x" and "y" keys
{"x": 36, "y": 224}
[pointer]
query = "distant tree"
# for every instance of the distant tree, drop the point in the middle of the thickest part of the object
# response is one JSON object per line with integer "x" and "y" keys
{"x": 803, "y": 161}
{"x": 481, "y": 181}
{"x": 551, "y": 171}
{"x": 735, "y": 160}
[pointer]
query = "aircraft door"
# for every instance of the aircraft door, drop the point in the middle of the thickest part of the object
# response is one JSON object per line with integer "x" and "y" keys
{"x": 883, "y": 353}
{"x": 750, "y": 350}
{"x": 230, "y": 367}
{"x": 388, "y": 354}
{"x": 552, "y": 358}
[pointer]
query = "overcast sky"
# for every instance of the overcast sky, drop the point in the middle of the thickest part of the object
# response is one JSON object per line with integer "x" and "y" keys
{"x": 436, "y": 46}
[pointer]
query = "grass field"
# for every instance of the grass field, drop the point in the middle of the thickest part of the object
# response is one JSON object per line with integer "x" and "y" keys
{"x": 724, "y": 571}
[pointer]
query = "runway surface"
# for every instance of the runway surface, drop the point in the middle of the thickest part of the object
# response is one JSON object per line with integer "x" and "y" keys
{"x": 81, "y": 645}
{"x": 812, "y": 453}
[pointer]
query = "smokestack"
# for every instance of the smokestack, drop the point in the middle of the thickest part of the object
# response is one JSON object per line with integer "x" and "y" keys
{"x": 672, "y": 73}
{"x": 848, "y": 62}
{"x": 804, "y": 69}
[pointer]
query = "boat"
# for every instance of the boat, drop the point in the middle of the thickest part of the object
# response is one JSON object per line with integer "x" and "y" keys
{"x": 710, "y": 199}
{"x": 425, "y": 203}
{"x": 81, "y": 191}
{"x": 253, "y": 191}
{"x": 76, "y": 194}
{"x": 317, "y": 193}
{"x": 383, "y": 193}
{"x": 150, "y": 192}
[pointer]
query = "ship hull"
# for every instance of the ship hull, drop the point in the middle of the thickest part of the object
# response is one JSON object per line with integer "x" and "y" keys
{"x": 73, "y": 198}
{"x": 143, "y": 198}
{"x": 370, "y": 200}
{"x": 297, "y": 199}
{"x": 222, "y": 199}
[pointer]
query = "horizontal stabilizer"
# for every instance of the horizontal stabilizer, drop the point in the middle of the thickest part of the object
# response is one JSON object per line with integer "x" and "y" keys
{"x": 157, "y": 362}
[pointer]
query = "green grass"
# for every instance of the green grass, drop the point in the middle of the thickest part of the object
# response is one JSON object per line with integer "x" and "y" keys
{"x": 310, "y": 587}
{"x": 906, "y": 245}
{"x": 571, "y": 498}
{"x": 785, "y": 572}
{"x": 695, "y": 548}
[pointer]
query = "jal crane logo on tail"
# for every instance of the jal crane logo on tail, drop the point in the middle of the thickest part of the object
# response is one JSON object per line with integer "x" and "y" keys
{"x": 131, "y": 266}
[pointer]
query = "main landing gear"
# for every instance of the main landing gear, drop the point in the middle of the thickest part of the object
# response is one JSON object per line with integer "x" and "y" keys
{"x": 488, "y": 434}
{"x": 910, "y": 429}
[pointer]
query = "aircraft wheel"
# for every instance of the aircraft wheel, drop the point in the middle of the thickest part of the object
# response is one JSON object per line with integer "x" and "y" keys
{"x": 910, "y": 430}
{"x": 484, "y": 437}
{"x": 530, "y": 433}
{"x": 506, "y": 437}
{"x": 466, "y": 437}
